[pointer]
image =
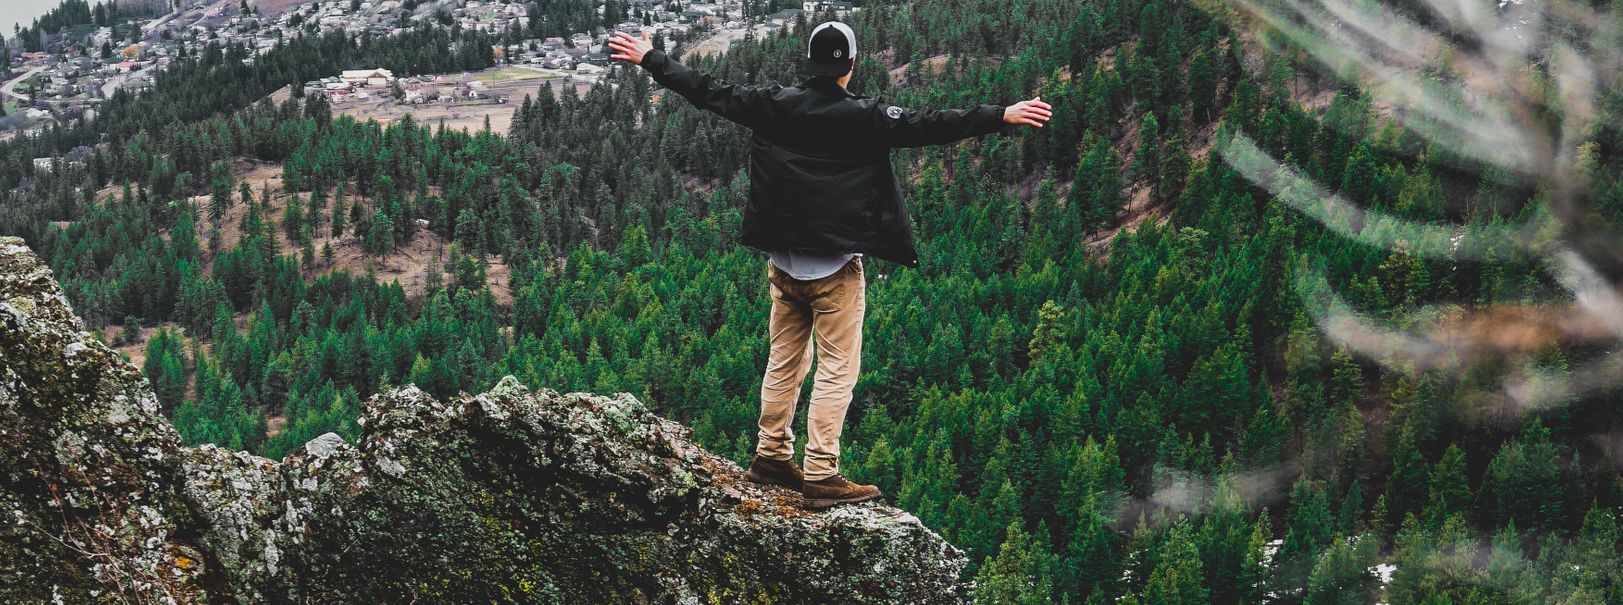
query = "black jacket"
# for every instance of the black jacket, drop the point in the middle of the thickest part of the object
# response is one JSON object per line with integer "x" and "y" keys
{"x": 820, "y": 174}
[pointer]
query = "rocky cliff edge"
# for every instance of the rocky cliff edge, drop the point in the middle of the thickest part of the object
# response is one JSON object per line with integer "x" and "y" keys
{"x": 513, "y": 495}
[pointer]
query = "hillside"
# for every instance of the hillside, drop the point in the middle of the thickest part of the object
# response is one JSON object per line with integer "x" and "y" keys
{"x": 406, "y": 264}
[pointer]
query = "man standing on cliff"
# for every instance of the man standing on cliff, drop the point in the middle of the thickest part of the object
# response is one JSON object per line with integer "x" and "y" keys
{"x": 822, "y": 194}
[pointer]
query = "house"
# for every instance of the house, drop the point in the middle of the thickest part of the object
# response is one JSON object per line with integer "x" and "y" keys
{"x": 74, "y": 157}
{"x": 839, "y": 7}
{"x": 367, "y": 77}
{"x": 784, "y": 16}
{"x": 337, "y": 90}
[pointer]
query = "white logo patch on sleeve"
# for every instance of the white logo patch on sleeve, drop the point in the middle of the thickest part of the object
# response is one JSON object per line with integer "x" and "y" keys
{"x": 893, "y": 112}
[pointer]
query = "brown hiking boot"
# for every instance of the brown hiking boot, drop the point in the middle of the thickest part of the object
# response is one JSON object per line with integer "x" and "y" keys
{"x": 775, "y": 472}
{"x": 833, "y": 490}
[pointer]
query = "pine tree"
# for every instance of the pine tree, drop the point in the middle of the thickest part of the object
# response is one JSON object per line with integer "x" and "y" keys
{"x": 1178, "y": 578}
{"x": 1019, "y": 574}
{"x": 307, "y": 253}
{"x": 380, "y": 237}
{"x": 1147, "y": 163}
{"x": 1045, "y": 338}
{"x": 1524, "y": 482}
{"x": 293, "y": 219}
{"x": 1256, "y": 570}
{"x": 165, "y": 367}
{"x": 1202, "y": 86}
{"x": 467, "y": 231}
{"x": 1096, "y": 190}
{"x": 340, "y": 213}
{"x": 1449, "y": 488}
{"x": 1404, "y": 487}
{"x": 1342, "y": 576}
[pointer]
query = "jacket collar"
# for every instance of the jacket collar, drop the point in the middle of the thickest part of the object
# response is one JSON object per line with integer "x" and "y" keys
{"x": 828, "y": 86}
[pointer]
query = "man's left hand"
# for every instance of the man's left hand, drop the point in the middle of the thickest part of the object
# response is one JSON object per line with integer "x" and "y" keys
{"x": 630, "y": 48}
{"x": 1032, "y": 113}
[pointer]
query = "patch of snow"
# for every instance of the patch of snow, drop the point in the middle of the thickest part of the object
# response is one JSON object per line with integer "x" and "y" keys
{"x": 1385, "y": 571}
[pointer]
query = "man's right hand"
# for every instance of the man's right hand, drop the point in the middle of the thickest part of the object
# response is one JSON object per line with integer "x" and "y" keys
{"x": 1033, "y": 113}
{"x": 630, "y": 48}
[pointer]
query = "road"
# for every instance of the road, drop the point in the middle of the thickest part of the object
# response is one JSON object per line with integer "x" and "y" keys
{"x": 112, "y": 85}
{"x": 154, "y": 29}
{"x": 10, "y": 88}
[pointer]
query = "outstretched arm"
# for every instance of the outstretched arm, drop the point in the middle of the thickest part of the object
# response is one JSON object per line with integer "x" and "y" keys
{"x": 745, "y": 105}
{"x": 900, "y": 127}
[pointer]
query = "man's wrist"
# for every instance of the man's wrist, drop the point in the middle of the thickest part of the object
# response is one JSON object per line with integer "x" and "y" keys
{"x": 1002, "y": 119}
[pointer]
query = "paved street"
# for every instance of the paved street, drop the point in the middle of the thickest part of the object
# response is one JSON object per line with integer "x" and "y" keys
{"x": 10, "y": 88}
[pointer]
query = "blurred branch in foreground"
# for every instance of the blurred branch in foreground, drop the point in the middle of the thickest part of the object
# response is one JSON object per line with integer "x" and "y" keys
{"x": 1524, "y": 88}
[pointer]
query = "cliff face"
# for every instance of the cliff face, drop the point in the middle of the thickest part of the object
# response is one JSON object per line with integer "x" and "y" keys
{"x": 512, "y": 495}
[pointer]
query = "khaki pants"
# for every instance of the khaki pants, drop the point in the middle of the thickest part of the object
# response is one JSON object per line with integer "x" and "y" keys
{"x": 830, "y": 310}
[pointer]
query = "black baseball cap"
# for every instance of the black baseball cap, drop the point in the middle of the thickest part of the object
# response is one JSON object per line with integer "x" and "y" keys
{"x": 830, "y": 50}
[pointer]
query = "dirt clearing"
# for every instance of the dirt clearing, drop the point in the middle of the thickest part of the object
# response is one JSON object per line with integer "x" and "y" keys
{"x": 502, "y": 88}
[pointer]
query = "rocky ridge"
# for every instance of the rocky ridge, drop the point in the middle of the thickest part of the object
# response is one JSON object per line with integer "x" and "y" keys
{"x": 512, "y": 495}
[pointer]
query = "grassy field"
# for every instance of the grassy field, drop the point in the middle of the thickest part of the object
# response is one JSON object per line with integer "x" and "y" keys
{"x": 505, "y": 74}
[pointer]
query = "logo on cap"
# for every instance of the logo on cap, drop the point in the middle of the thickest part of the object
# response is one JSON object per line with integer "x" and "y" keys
{"x": 837, "y": 53}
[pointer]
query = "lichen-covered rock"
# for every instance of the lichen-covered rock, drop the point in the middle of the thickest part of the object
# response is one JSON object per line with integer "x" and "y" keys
{"x": 512, "y": 495}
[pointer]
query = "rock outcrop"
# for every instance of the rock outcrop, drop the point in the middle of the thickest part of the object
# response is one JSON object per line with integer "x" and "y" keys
{"x": 512, "y": 495}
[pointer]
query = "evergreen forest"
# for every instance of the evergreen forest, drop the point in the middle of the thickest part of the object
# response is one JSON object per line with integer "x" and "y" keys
{"x": 1105, "y": 382}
